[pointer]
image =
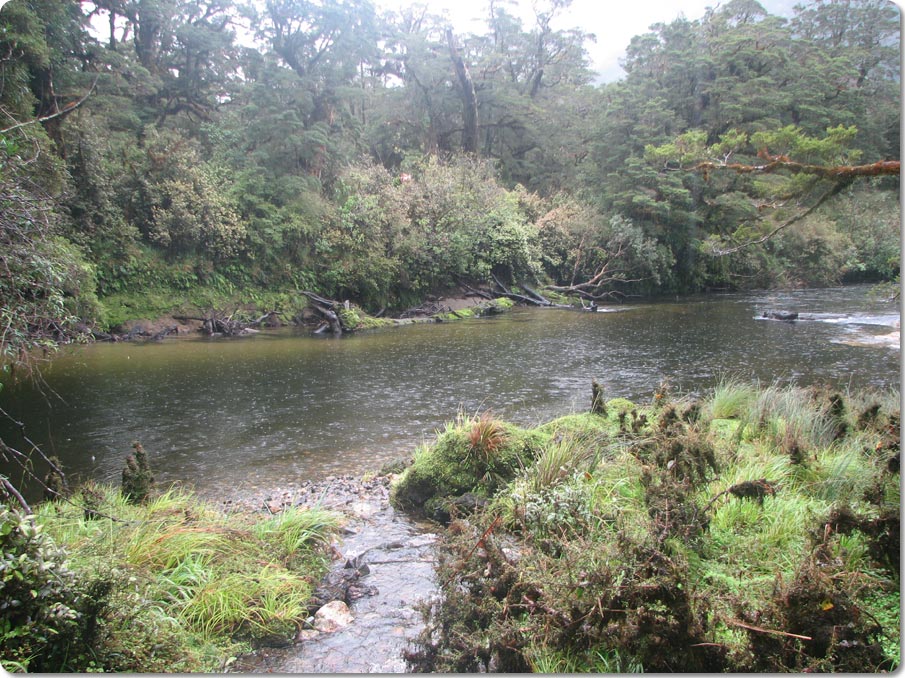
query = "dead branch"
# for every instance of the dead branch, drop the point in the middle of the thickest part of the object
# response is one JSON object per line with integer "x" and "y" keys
{"x": 66, "y": 110}
{"x": 772, "y": 632}
{"x": 798, "y": 217}
{"x": 474, "y": 548}
{"x": 13, "y": 492}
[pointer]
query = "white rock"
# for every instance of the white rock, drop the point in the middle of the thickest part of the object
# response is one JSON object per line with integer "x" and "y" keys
{"x": 332, "y": 617}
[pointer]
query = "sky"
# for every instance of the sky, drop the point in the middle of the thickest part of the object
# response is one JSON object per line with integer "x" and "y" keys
{"x": 614, "y": 23}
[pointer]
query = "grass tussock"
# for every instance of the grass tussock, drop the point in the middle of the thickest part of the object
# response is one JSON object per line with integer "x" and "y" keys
{"x": 756, "y": 529}
{"x": 175, "y": 585}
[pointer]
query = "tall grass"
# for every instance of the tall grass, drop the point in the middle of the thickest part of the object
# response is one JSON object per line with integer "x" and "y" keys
{"x": 213, "y": 578}
{"x": 730, "y": 399}
{"x": 295, "y": 529}
{"x": 783, "y": 413}
{"x": 562, "y": 458}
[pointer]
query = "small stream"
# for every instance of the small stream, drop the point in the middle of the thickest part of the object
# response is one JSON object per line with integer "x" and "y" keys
{"x": 395, "y": 558}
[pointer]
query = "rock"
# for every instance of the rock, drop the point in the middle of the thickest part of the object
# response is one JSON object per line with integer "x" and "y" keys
{"x": 332, "y": 617}
{"x": 781, "y": 315}
{"x": 274, "y": 506}
{"x": 306, "y": 634}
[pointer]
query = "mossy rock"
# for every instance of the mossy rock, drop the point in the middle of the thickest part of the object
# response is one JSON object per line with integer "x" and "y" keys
{"x": 353, "y": 319}
{"x": 484, "y": 308}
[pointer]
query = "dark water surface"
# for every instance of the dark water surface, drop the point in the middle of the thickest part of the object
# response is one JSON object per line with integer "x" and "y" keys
{"x": 277, "y": 407}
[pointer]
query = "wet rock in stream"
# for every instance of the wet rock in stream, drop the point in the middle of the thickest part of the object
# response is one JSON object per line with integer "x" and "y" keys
{"x": 384, "y": 568}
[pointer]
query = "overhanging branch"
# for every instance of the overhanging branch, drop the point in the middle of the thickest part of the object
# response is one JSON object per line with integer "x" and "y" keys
{"x": 66, "y": 110}
{"x": 876, "y": 169}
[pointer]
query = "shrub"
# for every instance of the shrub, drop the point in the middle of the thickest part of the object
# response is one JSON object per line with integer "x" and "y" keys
{"x": 39, "y": 601}
{"x": 137, "y": 476}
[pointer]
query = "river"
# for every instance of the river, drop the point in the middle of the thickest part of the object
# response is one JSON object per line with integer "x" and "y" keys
{"x": 243, "y": 414}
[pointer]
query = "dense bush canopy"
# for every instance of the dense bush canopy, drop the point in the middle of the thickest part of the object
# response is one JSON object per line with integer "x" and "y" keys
{"x": 170, "y": 148}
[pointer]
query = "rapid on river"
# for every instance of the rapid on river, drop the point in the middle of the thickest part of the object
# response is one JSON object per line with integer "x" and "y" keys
{"x": 228, "y": 415}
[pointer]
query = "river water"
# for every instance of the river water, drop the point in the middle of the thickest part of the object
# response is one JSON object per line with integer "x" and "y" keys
{"x": 244, "y": 414}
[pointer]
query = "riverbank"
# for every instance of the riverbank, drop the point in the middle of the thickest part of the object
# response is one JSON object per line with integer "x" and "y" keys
{"x": 187, "y": 319}
{"x": 752, "y": 530}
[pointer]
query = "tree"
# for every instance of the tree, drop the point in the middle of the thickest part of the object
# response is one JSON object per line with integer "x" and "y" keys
{"x": 811, "y": 182}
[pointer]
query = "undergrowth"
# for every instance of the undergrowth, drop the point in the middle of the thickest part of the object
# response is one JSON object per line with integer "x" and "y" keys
{"x": 171, "y": 585}
{"x": 756, "y": 529}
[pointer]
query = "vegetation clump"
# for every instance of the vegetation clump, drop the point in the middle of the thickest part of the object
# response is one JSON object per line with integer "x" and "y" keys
{"x": 168, "y": 585}
{"x": 474, "y": 455}
{"x": 137, "y": 476}
{"x": 685, "y": 545}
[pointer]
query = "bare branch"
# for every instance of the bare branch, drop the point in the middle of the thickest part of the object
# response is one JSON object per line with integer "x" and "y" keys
{"x": 64, "y": 111}
{"x": 798, "y": 217}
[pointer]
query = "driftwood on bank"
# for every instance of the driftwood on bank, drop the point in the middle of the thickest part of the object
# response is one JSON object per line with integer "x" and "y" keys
{"x": 216, "y": 323}
{"x": 530, "y": 297}
{"x": 328, "y": 310}
{"x": 428, "y": 308}
{"x": 137, "y": 332}
{"x": 472, "y": 292}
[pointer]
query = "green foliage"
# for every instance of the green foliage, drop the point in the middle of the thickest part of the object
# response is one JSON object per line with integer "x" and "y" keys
{"x": 46, "y": 278}
{"x": 401, "y": 238}
{"x": 175, "y": 172}
{"x": 168, "y": 585}
{"x": 39, "y": 615}
{"x": 661, "y": 556}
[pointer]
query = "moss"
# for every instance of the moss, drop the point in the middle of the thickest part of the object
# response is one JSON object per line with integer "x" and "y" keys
{"x": 451, "y": 316}
{"x": 501, "y": 304}
{"x": 462, "y": 460}
{"x": 355, "y": 319}
{"x": 577, "y": 424}
{"x": 616, "y": 404}
{"x": 484, "y": 308}
{"x": 725, "y": 428}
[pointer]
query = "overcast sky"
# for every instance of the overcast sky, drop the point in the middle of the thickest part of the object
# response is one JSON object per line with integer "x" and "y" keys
{"x": 613, "y": 22}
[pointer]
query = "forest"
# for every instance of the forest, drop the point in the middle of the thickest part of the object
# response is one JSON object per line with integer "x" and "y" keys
{"x": 161, "y": 154}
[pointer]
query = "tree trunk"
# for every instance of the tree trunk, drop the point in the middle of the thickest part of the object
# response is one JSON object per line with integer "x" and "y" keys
{"x": 469, "y": 97}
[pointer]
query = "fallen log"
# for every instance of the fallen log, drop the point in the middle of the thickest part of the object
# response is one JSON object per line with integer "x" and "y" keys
{"x": 475, "y": 293}
{"x": 542, "y": 300}
{"x": 172, "y": 329}
{"x": 531, "y": 298}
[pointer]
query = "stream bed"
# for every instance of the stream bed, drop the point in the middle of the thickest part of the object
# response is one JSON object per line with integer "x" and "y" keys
{"x": 392, "y": 559}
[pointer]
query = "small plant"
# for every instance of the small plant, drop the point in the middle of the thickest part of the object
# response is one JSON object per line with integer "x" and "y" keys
{"x": 485, "y": 437}
{"x": 54, "y": 481}
{"x": 562, "y": 459}
{"x": 137, "y": 476}
{"x": 662, "y": 394}
{"x": 598, "y": 400}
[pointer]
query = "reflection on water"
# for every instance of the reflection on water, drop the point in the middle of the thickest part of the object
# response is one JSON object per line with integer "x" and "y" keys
{"x": 286, "y": 407}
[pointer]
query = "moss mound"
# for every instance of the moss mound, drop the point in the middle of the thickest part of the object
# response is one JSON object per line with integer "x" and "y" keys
{"x": 474, "y": 455}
